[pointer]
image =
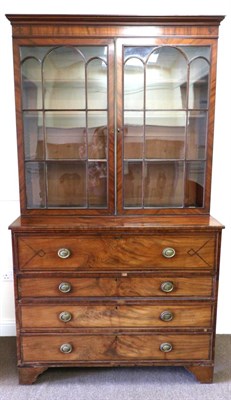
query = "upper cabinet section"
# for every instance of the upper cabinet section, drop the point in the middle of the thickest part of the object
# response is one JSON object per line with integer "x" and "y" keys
{"x": 115, "y": 114}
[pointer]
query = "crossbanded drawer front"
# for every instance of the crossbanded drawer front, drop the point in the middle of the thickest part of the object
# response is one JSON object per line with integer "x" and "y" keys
{"x": 118, "y": 285}
{"x": 115, "y": 315}
{"x": 110, "y": 253}
{"x": 69, "y": 348}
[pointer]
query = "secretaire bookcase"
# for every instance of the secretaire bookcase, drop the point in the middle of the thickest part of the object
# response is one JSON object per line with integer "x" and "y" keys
{"x": 116, "y": 256}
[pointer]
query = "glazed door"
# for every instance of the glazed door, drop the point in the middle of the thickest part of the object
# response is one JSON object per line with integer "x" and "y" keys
{"x": 163, "y": 103}
{"x": 67, "y": 122}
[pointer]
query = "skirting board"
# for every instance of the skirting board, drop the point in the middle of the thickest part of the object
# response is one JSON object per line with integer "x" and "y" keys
{"x": 8, "y": 328}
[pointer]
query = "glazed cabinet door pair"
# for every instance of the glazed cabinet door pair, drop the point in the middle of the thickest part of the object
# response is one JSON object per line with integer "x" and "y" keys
{"x": 115, "y": 126}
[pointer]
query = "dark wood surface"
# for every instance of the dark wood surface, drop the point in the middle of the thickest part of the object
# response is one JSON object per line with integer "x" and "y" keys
{"x": 89, "y": 29}
{"x": 133, "y": 347}
{"x": 28, "y": 375}
{"x": 106, "y": 303}
{"x": 203, "y": 374}
{"x": 128, "y": 284}
{"x": 95, "y": 315}
{"x": 116, "y": 267}
{"x": 115, "y": 19}
{"x": 128, "y": 224}
{"x": 116, "y": 253}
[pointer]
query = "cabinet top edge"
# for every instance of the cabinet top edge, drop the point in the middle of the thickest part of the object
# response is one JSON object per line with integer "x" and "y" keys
{"x": 114, "y": 19}
{"x": 116, "y": 224}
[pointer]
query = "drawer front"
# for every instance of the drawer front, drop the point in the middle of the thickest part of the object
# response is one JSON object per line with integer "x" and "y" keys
{"x": 115, "y": 347}
{"x": 116, "y": 316}
{"x": 117, "y": 286}
{"x": 111, "y": 253}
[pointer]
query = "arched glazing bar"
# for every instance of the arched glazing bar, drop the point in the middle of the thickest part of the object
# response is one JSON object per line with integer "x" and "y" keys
{"x": 70, "y": 121}
{"x": 161, "y": 164}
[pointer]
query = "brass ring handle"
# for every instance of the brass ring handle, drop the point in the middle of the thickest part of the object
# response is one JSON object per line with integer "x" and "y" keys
{"x": 168, "y": 252}
{"x": 65, "y": 287}
{"x": 66, "y": 348}
{"x": 167, "y": 286}
{"x": 65, "y": 316}
{"x": 64, "y": 253}
{"x": 166, "y": 316}
{"x": 166, "y": 347}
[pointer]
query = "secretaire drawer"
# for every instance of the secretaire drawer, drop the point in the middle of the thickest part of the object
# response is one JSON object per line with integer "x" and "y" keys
{"x": 121, "y": 347}
{"x": 120, "y": 285}
{"x": 112, "y": 252}
{"x": 116, "y": 315}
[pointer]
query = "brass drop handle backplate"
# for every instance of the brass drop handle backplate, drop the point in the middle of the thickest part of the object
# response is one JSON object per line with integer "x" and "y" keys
{"x": 64, "y": 253}
{"x": 65, "y": 316}
{"x": 167, "y": 286}
{"x": 169, "y": 252}
{"x": 65, "y": 287}
{"x": 66, "y": 348}
{"x": 166, "y": 347}
{"x": 166, "y": 316}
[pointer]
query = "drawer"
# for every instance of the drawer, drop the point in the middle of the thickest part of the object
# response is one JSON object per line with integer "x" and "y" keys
{"x": 110, "y": 347}
{"x": 115, "y": 253}
{"x": 117, "y": 285}
{"x": 116, "y": 315}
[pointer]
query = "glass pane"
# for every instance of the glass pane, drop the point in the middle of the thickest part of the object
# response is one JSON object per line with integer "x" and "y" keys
{"x": 64, "y": 79}
{"x": 196, "y": 51}
{"x": 33, "y": 135}
{"x": 132, "y": 184}
{"x": 38, "y": 52}
{"x": 164, "y": 184}
{"x": 90, "y": 52}
{"x": 97, "y": 134}
{"x": 133, "y": 84}
{"x": 195, "y": 182}
{"x": 140, "y": 52}
{"x": 97, "y": 84}
{"x": 66, "y": 184}
{"x": 65, "y": 135}
{"x": 97, "y": 184}
{"x": 196, "y": 135}
{"x": 31, "y": 84}
{"x": 166, "y": 73}
{"x": 199, "y": 84}
{"x": 165, "y": 134}
{"x": 35, "y": 185}
{"x": 133, "y": 135}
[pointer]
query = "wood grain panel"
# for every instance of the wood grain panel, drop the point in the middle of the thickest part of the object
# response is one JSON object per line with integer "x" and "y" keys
{"x": 123, "y": 224}
{"x": 115, "y": 347}
{"x": 115, "y": 315}
{"x": 111, "y": 255}
{"x": 118, "y": 252}
{"x": 112, "y": 25}
{"x": 132, "y": 286}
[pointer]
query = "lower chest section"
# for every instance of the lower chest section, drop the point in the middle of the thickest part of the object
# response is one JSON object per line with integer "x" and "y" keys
{"x": 116, "y": 299}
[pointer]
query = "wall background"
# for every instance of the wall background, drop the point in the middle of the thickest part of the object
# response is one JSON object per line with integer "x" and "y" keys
{"x": 221, "y": 184}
